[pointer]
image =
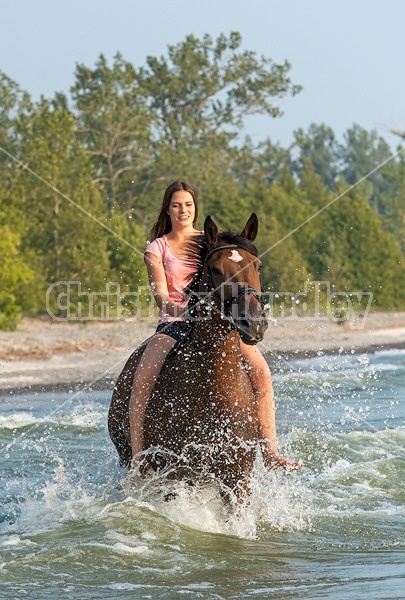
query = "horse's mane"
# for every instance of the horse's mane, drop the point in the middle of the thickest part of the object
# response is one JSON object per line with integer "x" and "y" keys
{"x": 196, "y": 250}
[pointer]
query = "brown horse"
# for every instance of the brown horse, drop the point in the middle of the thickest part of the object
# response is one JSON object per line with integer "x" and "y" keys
{"x": 203, "y": 410}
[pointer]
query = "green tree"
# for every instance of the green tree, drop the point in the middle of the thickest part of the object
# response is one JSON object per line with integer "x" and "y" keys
{"x": 358, "y": 255}
{"x": 113, "y": 124}
{"x": 319, "y": 146}
{"x": 15, "y": 106}
{"x": 362, "y": 152}
{"x": 14, "y": 273}
{"x": 284, "y": 267}
{"x": 60, "y": 242}
{"x": 203, "y": 91}
{"x": 311, "y": 196}
{"x": 393, "y": 199}
{"x": 14, "y": 103}
{"x": 126, "y": 251}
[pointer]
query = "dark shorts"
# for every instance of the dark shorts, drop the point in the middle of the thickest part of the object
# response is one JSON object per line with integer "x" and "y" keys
{"x": 178, "y": 330}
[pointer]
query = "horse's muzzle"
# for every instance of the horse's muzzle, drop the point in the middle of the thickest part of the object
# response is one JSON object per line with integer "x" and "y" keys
{"x": 251, "y": 331}
{"x": 251, "y": 321}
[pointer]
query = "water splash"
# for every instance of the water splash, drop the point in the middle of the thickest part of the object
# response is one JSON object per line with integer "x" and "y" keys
{"x": 70, "y": 515}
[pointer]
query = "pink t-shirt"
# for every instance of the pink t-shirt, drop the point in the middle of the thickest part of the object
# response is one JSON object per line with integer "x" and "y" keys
{"x": 177, "y": 271}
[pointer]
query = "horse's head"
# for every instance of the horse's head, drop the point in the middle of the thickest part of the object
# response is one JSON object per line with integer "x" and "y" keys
{"x": 233, "y": 276}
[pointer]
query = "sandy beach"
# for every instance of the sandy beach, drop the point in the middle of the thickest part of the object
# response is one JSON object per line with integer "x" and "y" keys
{"x": 45, "y": 355}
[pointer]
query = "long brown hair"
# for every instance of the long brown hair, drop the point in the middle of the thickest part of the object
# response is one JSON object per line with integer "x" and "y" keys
{"x": 163, "y": 224}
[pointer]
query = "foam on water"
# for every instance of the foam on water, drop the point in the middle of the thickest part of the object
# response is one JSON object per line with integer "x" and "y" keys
{"x": 16, "y": 540}
{"x": 284, "y": 501}
{"x": 200, "y": 507}
{"x": 277, "y": 499}
{"x": 58, "y": 502}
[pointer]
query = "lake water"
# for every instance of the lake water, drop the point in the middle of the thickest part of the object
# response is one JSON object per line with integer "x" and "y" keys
{"x": 72, "y": 526}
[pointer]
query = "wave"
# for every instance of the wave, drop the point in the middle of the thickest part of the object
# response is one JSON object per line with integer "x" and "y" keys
{"x": 84, "y": 417}
{"x": 337, "y": 366}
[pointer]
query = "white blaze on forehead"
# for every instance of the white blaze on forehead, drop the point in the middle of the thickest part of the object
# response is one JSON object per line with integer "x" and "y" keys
{"x": 235, "y": 256}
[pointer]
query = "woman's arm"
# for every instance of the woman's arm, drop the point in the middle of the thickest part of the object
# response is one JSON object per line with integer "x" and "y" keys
{"x": 158, "y": 284}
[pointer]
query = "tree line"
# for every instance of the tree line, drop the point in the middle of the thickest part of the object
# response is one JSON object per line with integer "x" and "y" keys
{"x": 82, "y": 176}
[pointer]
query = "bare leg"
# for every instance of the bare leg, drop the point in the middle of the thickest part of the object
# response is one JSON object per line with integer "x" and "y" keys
{"x": 145, "y": 378}
{"x": 260, "y": 377}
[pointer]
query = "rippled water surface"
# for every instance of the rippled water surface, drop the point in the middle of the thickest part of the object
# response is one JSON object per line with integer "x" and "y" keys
{"x": 72, "y": 526}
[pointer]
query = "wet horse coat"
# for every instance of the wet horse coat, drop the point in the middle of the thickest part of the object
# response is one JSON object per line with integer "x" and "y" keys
{"x": 203, "y": 408}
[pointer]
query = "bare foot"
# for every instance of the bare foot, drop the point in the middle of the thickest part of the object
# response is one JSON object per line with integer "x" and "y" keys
{"x": 276, "y": 461}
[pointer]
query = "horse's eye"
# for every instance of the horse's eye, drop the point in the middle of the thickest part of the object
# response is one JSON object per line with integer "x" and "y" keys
{"x": 216, "y": 271}
{"x": 259, "y": 268}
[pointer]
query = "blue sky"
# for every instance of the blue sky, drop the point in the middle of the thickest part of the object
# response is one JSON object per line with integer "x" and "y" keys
{"x": 348, "y": 56}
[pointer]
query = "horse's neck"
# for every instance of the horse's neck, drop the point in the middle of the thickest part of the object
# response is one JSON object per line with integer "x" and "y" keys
{"x": 209, "y": 324}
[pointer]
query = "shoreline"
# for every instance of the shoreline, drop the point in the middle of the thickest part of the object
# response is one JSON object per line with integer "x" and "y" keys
{"x": 44, "y": 356}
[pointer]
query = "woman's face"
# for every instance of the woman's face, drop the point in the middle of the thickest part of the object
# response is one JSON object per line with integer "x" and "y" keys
{"x": 181, "y": 210}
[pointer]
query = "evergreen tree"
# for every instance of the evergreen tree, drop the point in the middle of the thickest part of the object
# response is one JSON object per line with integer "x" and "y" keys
{"x": 362, "y": 152}
{"x": 320, "y": 147}
{"x": 359, "y": 255}
{"x": 393, "y": 199}
{"x": 284, "y": 268}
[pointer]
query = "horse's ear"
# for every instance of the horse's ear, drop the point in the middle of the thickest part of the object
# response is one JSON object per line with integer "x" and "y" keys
{"x": 251, "y": 227}
{"x": 210, "y": 231}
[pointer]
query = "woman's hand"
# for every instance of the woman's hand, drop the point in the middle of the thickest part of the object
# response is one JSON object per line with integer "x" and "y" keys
{"x": 139, "y": 467}
{"x": 273, "y": 460}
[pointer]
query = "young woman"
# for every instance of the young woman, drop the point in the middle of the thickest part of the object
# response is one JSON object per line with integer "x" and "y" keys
{"x": 168, "y": 275}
